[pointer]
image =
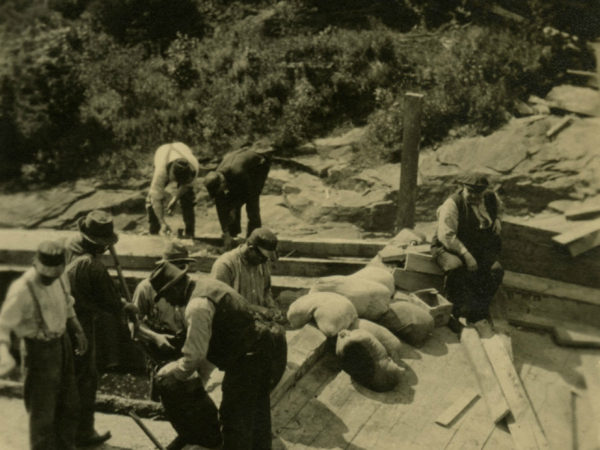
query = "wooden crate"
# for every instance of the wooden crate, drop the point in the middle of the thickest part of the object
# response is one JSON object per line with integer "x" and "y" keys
{"x": 437, "y": 305}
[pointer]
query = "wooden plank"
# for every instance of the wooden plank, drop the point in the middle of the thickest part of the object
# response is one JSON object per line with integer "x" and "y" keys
{"x": 316, "y": 247}
{"x": 422, "y": 263}
{"x": 530, "y": 433}
{"x": 585, "y": 212}
{"x": 580, "y": 239}
{"x": 414, "y": 281}
{"x": 460, "y": 404}
{"x": 530, "y": 250}
{"x": 555, "y": 288}
{"x": 488, "y": 383}
{"x": 559, "y": 127}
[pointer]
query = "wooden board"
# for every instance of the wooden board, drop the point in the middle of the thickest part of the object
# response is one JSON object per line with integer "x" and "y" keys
{"x": 488, "y": 383}
{"x": 460, "y": 404}
{"x": 583, "y": 212}
{"x": 581, "y": 239}
{"x": 526, "y": 429}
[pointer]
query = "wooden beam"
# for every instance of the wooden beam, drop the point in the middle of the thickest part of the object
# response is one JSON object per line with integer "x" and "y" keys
{"x": 411, "y": 138}
{"x": 526, "y": 430}
{"x": 558, "y": 127}
{"x": 584, "y": 212}
{"x": 467, "y": 398}
{"x": 488, "y": 383}
{"x": 581, "y": 239}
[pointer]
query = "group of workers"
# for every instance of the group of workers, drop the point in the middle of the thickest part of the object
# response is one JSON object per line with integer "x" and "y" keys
{"x": 188, "y": 323}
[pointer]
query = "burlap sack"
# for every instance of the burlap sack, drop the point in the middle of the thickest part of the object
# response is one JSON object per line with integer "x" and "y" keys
{"x": 408, "y": 321}
{"x": 332, "y": 312}
{"x": 370, "y": 298}
{"x": 379, "y": 274}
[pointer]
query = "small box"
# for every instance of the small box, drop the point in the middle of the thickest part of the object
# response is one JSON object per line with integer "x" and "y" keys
{"x": 437, "y": 305}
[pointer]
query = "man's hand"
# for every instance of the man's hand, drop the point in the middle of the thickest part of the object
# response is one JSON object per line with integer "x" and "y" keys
{"x": 470, "y": 262}
{"x": 165, "y": 229}
{"x": 81, "y": 345}
{"x": 7, "y": 362}
{"x": 171, "y": 206}
{"x": 497, "y": 227}
{"x": 165, "y": 376}
{"x": 162, "y": 341}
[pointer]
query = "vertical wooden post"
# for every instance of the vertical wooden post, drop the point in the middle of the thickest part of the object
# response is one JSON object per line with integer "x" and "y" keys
{"x": 409, "y": 167}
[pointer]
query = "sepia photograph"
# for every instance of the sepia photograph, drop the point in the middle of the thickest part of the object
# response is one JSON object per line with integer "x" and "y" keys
{"x": 300, "y": 224}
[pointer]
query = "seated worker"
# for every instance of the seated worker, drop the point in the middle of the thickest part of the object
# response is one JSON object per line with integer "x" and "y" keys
{"x": 173, "y": 162}
{"x": 161, "y": 329}
{"x": 251, "y": 353}
{"x": 238, "y": 180}
{"x": 466, "y": 246}
{"x": 247, "y": 270}
{"x": 39, "y": 309}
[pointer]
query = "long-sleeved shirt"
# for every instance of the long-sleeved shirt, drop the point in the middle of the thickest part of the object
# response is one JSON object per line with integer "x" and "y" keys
{"x": 91, "y": 285}
{"x": 253, "y": 282}
{"x": 20, "y": 313}
{"x": 447, "y": 226}
{"x": 164, "y": 155}
{"x": 199, "y": 314}
{"x": 158, "y": 315}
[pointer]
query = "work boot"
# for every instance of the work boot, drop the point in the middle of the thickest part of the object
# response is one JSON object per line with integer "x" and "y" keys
{"x": 176, "y": 444}
{"x": 93, "y": 439}
{"x": 455, "y": 325}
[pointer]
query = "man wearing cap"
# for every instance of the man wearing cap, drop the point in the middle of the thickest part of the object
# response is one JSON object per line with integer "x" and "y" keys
{"x": 39, "y": 309}
{"x": 162, "y": 327}
{"x": 467, "y": 245}
{"x": 176, "y": 163}
{"x": 221, "y": 329}
{"x": 96, "y": 297}
{"x": 247, "y": 270}
{"x": 238, "y": 180}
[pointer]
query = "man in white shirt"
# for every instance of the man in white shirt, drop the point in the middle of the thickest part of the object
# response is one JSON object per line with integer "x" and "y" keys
{"x": 222, "y": 330}
{"x": 467, "y": 246}
{"x": 39, "y": 308}
{"x": 173, "y": 162}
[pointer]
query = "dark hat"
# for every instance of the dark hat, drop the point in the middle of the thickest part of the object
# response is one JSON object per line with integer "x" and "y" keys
{"x": 164, "y": 276}
{"x": 176, "y": 253}
{"x": 98, "y": 228}
{"x": 266, "y": 241}
{"x": 475, "y": 182}
{"x": 49, "y": 259}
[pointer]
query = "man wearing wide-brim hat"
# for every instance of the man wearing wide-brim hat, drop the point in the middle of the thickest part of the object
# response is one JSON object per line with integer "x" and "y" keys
{"x": 467, "y": 245}
{"x": 96, "y": 299}
{"x": 161, "y": 330}
{"x": 222, "y": 330}
{"x": 39, "y": 309}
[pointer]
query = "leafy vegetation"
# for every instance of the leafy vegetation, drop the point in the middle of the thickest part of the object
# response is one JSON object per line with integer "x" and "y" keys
{"x": 90, "y": 86}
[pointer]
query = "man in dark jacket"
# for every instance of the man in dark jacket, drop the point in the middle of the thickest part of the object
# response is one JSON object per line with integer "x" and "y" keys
{"x": 221, "y": 329}
{"x": 95, "y": 294}
{"x": 238, "y": 180}
{"x": 467, "y": 245}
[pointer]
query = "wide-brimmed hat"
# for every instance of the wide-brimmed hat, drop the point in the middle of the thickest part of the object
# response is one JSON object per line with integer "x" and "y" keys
{"x": 164, "y": 276}
{"x": 98, "y": 228}
{"x": 49, "y": 259}
{"x": 266, "y": 242}
{"x": 475, "y": 182}
{"x": 176, "y": 253}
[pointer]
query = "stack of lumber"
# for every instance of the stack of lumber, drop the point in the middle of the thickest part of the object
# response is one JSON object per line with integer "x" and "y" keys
{"x": 502, "y": 389}
{"x": 584, "y": 228}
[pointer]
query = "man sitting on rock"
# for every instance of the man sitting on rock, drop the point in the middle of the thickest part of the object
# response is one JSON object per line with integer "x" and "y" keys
{"x": 238, "y": 180}
{"x": 467, "y": 245}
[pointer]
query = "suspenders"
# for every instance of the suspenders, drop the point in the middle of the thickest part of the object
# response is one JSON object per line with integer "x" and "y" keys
{"x": 47, "y": 335}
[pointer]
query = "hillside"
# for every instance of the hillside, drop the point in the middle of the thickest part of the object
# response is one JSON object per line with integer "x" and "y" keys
{"x": 91, "y": 88}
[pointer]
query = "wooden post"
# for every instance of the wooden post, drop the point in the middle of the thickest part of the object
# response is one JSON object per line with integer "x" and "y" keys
{"x": 411, "y": 136}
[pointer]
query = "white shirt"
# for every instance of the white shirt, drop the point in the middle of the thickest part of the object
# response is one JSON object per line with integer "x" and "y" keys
{"x": 19, "y": 312}
{"x": 164, "y": 155}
